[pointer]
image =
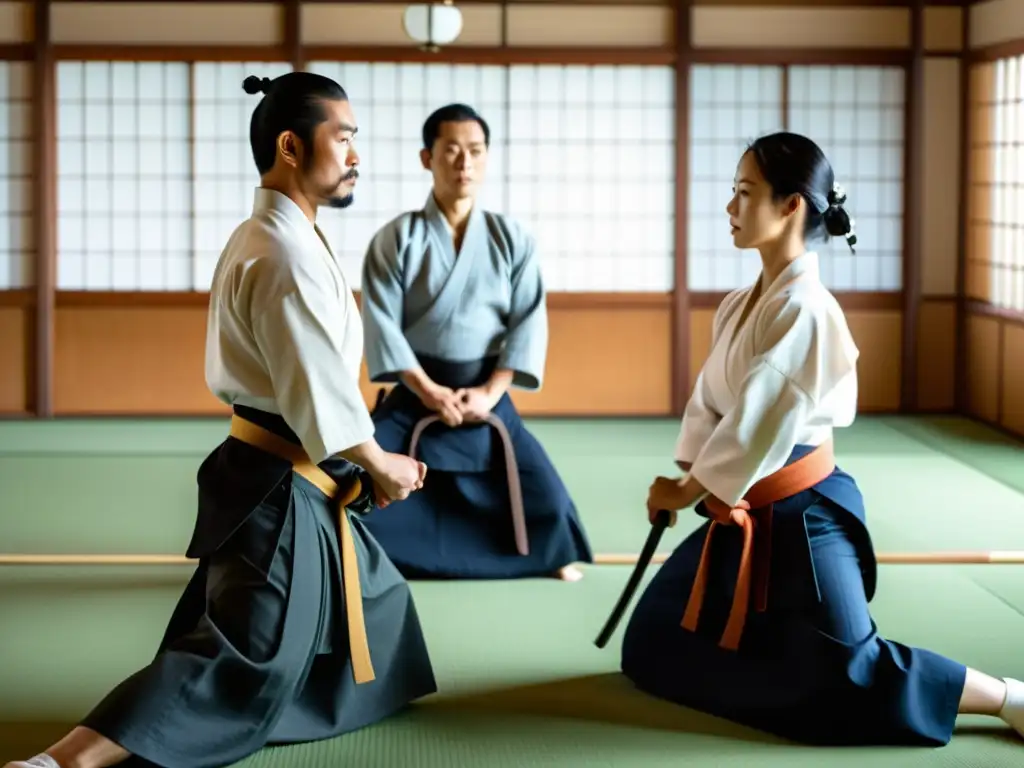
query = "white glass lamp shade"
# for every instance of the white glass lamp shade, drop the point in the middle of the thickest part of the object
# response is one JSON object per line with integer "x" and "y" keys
{"x": 432, "y": 23}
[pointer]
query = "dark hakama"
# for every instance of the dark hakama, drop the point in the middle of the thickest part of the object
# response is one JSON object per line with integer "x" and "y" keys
{"x": 812, "y": 667}
{"x": 256, "y": 652}
{"x": 459, "y": 525}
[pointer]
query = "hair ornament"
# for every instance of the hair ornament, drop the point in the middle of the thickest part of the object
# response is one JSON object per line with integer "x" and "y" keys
{"x": 837, "y": 196}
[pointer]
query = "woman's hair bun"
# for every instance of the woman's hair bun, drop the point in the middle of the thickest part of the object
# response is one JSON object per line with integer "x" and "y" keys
{"x": 837, "y": 221}
{"x": 254, "y": 85}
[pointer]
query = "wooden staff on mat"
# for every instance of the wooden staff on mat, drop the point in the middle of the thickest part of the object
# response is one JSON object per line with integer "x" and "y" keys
{"x": 953, "y": 557}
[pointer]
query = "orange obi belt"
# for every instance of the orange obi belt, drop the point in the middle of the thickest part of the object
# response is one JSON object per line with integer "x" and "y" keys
{"x": 754, "y": 515}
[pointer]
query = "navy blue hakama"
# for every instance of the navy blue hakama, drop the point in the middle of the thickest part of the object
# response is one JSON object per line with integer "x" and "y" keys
{"x": 812, "y": 667}
{"x": 459, "y": 525}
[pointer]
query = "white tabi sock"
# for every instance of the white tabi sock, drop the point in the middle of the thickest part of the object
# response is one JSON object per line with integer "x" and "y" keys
{"x": 39, "y": 761}
{"x": 1012, "y": 712}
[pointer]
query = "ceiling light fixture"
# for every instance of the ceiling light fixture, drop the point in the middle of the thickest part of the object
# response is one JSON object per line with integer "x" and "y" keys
{"x": 433, "y": 24}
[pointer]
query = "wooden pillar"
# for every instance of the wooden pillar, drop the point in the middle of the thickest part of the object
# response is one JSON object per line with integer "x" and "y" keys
{"x": 913, "y": 184}
{"x": 293, "y": 34}
{"x": 681, "y": 293}
{"x": 44, "y": 104}
{"x": 960, "y": 404}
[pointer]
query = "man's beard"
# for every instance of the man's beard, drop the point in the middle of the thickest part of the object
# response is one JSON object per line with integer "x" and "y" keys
{"x": 343, "y": 201}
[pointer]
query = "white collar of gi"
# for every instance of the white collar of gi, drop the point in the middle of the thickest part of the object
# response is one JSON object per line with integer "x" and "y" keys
{"x": 272, "y": 200}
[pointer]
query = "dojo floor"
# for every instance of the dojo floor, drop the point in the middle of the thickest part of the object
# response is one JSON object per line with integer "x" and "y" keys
{"x": 521, "y": 681}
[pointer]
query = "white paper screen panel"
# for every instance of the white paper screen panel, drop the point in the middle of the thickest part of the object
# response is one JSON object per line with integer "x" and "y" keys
{"x": 224, "y": 172}
{"x": 856, "y": 115}
{"x": 155, "y": 168}
{"x": 391, "y": 102}
{"x": 1006, "y": 190}
{"x": 17, "y": 251}
{"x": 730, "y": 106}
{"x": 124, "y": 208}
{"x": 591, "y": 173}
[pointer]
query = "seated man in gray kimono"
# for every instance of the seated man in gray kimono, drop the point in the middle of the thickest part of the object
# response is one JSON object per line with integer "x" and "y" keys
{"x": 454, "y": 312}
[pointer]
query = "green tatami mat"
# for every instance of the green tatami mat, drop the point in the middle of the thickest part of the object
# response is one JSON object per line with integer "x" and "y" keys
{"x": 582, "y": 437}
{"x": 129, "y": 486}
{"x": 1005, "y": 582}
{"x": 932, "y": 502}
{"x": 979, "y": 446}
{"x": 521, "y": 683}
{"x": 112, "y": 437}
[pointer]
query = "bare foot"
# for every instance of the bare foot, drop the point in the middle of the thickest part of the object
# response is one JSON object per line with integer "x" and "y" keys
{"x": 569, "y": 573}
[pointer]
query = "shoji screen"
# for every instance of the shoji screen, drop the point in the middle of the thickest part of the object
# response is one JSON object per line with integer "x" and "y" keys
{"x": 155, "y": 168}
{"x": 582, "y": 156}
{"x": 591, "y": 173}
{"x": 224, "y": 175}
{"x": 16, "y": 246}
{"x": 391, "y": 101}
{"x": 996, "y": 245}
{"x": 124, "y": 198}
{"x": 730, "y": 106}
{"x": 981, "y": 175}
{"x": 856, "y": 115}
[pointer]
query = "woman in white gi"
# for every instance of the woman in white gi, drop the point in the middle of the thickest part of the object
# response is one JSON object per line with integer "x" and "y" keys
{"x": 761, "y": 615}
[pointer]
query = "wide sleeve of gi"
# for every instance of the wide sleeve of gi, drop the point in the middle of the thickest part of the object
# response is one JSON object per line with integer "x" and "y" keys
{"x": 526, "y": 339}
{"x": 699, "y": 422}
{"x": 803, "y": 356}
{"x": 300, "y": 327}
{"x": 699, "y": 418}
{"x": 387, "y": 351}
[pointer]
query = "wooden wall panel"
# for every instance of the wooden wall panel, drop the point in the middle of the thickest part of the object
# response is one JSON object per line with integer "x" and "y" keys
{"x": 371, "y": 23}
{"x": 878, "y": 337}
{"x": 939, "y": 196}
{"x": 943, "y": 29}
{"x": 795, "y": 28}
{"x": 936, "y": 355}
{"x": 15, "y": 370}
{"x": 602, "y": 361}
{"x": 148, "y": 23}
{"x": 995, "y": 21}
{"x": 1012, "y": 359}
{"x": 701, "y": 327}
{"x": 576, "y": 25}
{"x": 995, "y": 367}
{"x": 983, "y": 367}
{"x": 622, "y": 25}
{"x": 16, "y": 22}
{"x": 131, "y": 360}
{"x": 149, "y": 360}
{"x": 606, "y": 361}
{"x": 615, "y": 24}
